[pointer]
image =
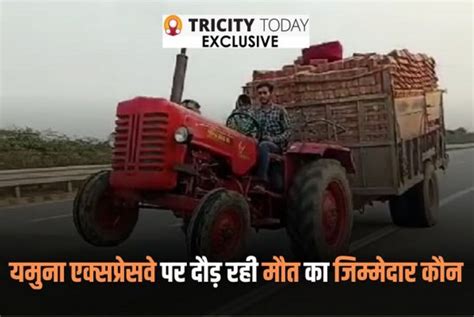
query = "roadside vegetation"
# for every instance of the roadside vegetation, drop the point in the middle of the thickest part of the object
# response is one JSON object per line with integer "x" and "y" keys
{"x": 28, "y": 148}
{"x": 459, "y": 136}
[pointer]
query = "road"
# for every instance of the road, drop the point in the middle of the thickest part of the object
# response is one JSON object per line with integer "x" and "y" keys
{"x": 46, "y": 232}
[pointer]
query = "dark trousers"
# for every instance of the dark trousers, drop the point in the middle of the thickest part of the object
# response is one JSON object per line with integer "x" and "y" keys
{"x": 264, "y": 150}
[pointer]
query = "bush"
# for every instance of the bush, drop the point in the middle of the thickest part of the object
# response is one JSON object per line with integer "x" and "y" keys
{"x": 459, "y": 136}
{"x": 28, "y": 148}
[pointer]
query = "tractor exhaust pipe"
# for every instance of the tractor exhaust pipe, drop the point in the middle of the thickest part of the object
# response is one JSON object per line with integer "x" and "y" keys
{"x": 179, "y": 76}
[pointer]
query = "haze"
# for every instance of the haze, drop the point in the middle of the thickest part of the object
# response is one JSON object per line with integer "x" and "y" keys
{"x": 65, "y": 65}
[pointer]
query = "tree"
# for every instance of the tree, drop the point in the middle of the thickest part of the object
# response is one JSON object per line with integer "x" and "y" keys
{"x": 461, "y": 130}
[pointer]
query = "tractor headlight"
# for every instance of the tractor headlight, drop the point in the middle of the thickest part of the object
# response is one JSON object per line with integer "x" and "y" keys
{"x": 181, "y": 135}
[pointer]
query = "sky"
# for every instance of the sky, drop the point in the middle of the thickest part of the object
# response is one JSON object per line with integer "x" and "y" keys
{"x": 66, "y": 64}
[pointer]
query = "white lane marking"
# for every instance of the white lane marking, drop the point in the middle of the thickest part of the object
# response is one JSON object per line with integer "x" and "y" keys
{"x": 252, "y": 298}
{"x": 50, "y": 218}
{"x": 379, "y": 234}
{"x": 374, "y": 236}
{"x": 22, "y": 206}
{"x": 455, "y": 196}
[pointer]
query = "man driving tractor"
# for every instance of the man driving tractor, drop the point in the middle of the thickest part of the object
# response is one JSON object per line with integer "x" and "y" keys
{"x": 275, "y": 124}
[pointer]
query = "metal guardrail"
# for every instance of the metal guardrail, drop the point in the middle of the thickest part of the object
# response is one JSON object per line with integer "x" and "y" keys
{"x": 67, "y": 174}
{"x": 36, "y": 176}
{"x": 451, "y": 147}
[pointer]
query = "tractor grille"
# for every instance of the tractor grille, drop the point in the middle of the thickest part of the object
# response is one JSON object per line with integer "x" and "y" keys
{"x": 140, "y": 142}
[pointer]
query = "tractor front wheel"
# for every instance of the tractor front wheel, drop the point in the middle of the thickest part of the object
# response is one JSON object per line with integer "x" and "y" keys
{"x": 220, "y": 226}
{"x": 98, "y": 217}
{"x": 319, "y": 215}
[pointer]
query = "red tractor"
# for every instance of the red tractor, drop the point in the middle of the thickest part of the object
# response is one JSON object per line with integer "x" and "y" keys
{"x": 168, "y": 157}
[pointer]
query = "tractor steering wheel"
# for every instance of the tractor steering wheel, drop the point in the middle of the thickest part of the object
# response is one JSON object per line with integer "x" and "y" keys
{"x": 245, "y": 124}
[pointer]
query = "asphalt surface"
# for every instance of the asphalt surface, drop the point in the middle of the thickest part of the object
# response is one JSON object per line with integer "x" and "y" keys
{"x": 46, "y": 232}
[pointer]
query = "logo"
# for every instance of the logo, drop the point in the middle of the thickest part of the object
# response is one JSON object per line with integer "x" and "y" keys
{"x": 212, "y": 133}
{"x": 242, "y": 147}
{"x": 173, "y": 25}
{"x": 235, "y": 31}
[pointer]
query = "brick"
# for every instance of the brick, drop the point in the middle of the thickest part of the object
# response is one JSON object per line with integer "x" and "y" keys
{"x": 288, "y": 70}
{"x": 317, "y": 62}
{"x": 327, "y": 76}
{"x": 363, "y": 62}
{"x": 279, "y": 73}
{"x": 367, "y": 80}
{"x": 332, "y": 85}
{"x": 378, "y": 78}
{"x": 337, "y": 65}
{"x": 308, "y": 86}
{"x": 262, "y": 74}
{"x": 303, "y": 76}
{"x": 353, "y": 91}
{"x": 317, "y": 86}
{"x": 371, "y": 63}
{"x": 300, "y": 88}
{"x": 324, "y": 67}
{"x": 359, "y": 71}
{"x": 304, "y": 68}
{"x": 316, "y": 69}
{"x": 378, "y": 88}
{"x": 409, "y": 72}
{"x": 349, "y": 63}
{"x": 319, "y": 95}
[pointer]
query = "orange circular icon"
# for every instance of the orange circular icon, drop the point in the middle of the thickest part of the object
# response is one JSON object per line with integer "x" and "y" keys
{"x": 173, "y": 25}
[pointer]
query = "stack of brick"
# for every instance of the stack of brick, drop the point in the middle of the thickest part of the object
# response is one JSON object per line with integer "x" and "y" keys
{"x": 413, "y": 73}
{"x": 361, "y": 74}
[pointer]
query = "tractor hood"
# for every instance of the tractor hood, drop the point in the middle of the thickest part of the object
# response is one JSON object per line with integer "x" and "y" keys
{"x": 146, "y": 152}
{"x": 238, "y": 149}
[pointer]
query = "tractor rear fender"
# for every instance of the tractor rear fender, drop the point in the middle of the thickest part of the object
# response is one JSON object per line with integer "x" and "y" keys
{"x": 322, "y": 150}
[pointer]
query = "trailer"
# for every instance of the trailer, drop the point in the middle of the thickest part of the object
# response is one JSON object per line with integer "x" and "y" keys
{"x": 396, "y": 136}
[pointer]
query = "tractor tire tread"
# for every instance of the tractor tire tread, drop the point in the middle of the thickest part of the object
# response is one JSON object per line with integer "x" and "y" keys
{"x": 307, "y": 241}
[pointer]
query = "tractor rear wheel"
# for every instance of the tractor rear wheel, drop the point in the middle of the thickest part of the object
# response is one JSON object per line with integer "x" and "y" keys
{"x": 319, "y": 217}
{"x": 418, "y": 206}
{"x": 98, "y": 218}
{"x": 220, "y": 226}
